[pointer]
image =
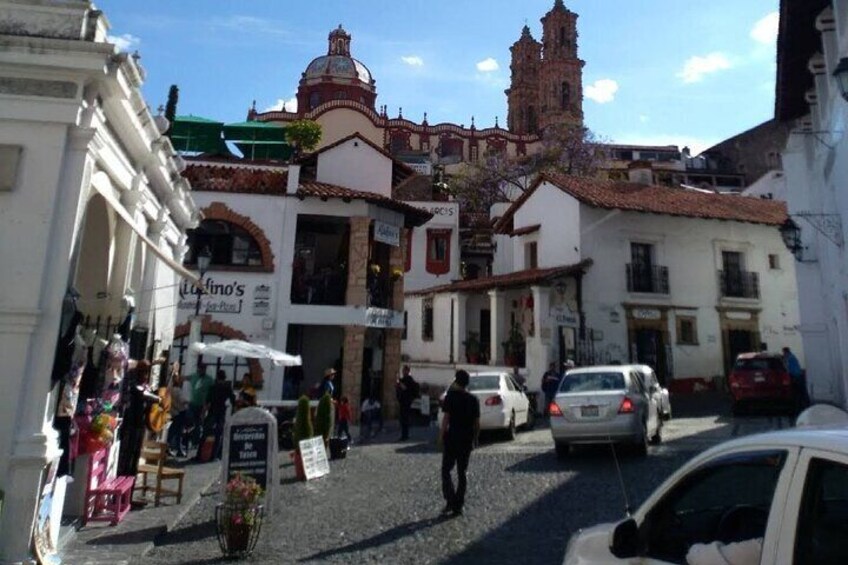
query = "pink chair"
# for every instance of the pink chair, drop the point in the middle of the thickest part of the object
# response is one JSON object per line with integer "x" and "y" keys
{"x": 106, "y": 500}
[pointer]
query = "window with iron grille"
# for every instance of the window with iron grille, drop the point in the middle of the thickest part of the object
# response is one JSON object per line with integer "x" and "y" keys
{"x": 427, "y": 319}
{"x": 687, "y": 330}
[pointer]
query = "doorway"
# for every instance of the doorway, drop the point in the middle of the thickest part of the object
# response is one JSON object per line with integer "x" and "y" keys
{"x": 650, "y": 350}
{"x": 567, "y": 345}
{"x": 739, "y": 341}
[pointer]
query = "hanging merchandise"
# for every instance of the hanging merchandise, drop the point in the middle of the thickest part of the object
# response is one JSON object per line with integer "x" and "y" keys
{"x": 117, "y": 360}
{"x": 91, "y": 385}
{"x": 63, "y": 421}
{"x": 65, "y": 348}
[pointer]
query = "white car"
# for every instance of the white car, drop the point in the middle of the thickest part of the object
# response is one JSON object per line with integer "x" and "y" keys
{"x": 605, "y": 404}
{"x": 503, "y": 404}
{"x": 780, "y": 497}
{"x": 649, "y": 377}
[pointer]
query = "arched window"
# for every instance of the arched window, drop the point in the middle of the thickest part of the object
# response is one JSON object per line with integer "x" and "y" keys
{"x": 314, "y": 100}
{"x": 566, "y": 95}
{"x": 229, "y": 244}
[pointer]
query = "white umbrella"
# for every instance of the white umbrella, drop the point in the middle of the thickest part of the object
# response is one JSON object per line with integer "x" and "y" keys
{"x": 238, "y": 348}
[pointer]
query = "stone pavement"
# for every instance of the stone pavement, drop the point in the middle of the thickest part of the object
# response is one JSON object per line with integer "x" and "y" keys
{"x": 99, "y": 543}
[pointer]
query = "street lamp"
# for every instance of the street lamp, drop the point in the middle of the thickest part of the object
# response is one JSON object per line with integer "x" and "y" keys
{"x": 203, "y": 260}
{"x": 840, "y": 73}
{"x": 791, "y": 234}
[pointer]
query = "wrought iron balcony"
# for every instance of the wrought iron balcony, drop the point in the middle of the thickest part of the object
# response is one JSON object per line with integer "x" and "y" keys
{"x": 647, "y": 278}
{"x": 739, "y": 284}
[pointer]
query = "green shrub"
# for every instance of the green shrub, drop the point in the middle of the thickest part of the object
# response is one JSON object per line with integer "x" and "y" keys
{"x": 303, "y": 421}
{"x": 324, "y": 417}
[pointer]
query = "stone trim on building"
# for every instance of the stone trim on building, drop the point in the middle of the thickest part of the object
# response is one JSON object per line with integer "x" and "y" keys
{"x": 220, "y": 211}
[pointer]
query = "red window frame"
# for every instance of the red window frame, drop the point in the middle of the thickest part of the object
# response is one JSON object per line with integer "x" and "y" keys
{"x": 435, "y": 265}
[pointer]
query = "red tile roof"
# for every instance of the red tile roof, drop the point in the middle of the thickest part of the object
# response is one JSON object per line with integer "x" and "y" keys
{"x": 238, "y": 179}
{"x": 616, "y": 195}
{"x": 414, "y": 216}
{"x": 512, "y": 280}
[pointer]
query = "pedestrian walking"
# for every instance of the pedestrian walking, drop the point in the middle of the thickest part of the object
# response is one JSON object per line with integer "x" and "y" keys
{"x": 179, "y": 415}
{"x": 200, "y": 383}
{"x": 458, "y": 436}
{"x": 407, "y": 390}
{"x": 371, "y": 417}
{"x": 550, "y": 384}
{"x": 345, "y": 416}
{"x": 327, "y": 386}
{"x": 221, "y": 393}
{"x": 799, "y": 381}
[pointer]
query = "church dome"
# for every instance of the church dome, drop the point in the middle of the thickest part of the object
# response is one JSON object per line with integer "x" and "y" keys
{"x": 336, "y": 76}
{"x": 338, "y": 66}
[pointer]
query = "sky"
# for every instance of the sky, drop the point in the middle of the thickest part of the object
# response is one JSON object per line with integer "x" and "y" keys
{"x": 657, "y": 72}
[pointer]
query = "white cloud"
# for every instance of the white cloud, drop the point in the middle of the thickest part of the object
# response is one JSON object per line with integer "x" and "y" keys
{"x": 124, "y": 42}
{"x": 413, "y": 60}
{"x": 765, "y": 30}
{"x": 281, "y": 104}
{"x": 697, "y": 67}
{"x": 488, "y": 65}
{"x": 602, "y": 91}
{"x": 644, "y": 119}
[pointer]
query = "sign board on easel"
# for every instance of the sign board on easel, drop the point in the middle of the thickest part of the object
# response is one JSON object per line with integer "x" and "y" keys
{"x": 250, "y": 448}
{"x": 314, "y": 457}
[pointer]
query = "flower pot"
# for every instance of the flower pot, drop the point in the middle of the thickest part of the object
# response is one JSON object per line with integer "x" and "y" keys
{"x": 238, "y": 527}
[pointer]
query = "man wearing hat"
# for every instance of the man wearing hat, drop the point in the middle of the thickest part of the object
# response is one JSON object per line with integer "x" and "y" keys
{"x": 327, "y": 386}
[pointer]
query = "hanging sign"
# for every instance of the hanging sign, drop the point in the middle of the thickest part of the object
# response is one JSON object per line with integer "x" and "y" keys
{"x": 383, "y": 318}
{"x": 314, "y": 457}
{"x": 386, "y": 233}
{"x": 646, "y": 314}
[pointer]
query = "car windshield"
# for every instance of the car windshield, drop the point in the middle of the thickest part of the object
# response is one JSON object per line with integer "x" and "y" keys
{"x": 484, "y": 382}
{"x": 590, "y": 382}
{"x": 759, "y": 364}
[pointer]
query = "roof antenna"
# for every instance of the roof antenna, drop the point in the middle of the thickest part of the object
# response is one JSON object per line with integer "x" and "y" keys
{"x": 627, "y": 509}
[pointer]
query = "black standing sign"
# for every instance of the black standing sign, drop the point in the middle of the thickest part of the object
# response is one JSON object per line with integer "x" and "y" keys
{"x": 249, "y": 452}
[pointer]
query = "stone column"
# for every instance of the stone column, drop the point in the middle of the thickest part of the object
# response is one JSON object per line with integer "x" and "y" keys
{"x": 354, "y": 344}
{"x": 499, "y": 326}
{"x": 391, "y": 371}
{"x": 459, "y": 327}
{"x": 357, "y": 264}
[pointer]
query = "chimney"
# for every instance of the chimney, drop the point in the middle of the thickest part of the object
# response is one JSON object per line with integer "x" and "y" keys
{"x": 293, "y": 179}
{"x": 640, "y": 172}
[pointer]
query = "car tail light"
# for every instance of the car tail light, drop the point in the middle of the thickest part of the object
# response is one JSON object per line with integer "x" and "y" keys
{"x": 494, "y": 400}
{"x": 554, "y": 410}
{"x": 785, "y": 379}
{"x": 626, "y": 406}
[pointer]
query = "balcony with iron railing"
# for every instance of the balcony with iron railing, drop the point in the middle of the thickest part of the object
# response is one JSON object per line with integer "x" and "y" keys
{"x": 739, "y": 284}
{"x": 651, "y": 279}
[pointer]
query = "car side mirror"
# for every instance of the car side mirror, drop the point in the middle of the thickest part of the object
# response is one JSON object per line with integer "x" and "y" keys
{"x": 625, "y": 539}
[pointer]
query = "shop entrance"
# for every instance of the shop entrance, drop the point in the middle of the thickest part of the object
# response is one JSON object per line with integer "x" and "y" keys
{"x": 372, "y": 365}
{"x": 650, "y": 350}
{"x": 739, "y": 341}
{"x": 567, "y": 345}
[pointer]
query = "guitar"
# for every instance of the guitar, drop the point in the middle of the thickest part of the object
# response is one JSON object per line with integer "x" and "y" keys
{"x": 160, "y": 413}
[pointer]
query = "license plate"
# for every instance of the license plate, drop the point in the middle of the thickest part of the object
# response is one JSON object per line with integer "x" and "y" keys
{"x": 589, "y": 411}
{"x": 759, "y": 379}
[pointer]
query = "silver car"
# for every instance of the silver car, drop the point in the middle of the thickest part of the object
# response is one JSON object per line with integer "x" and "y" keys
{"x": 649, "y": 379}
{"x": 605, "y": 404}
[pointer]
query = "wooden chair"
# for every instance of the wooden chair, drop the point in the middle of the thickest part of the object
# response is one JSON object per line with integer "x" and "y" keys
{"x": 155, "y": 454}
{"x": 106, "y": 500}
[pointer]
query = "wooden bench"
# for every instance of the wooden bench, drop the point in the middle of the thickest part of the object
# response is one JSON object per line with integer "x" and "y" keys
{"x": 106, "y": 499}
{"x": 155, "y": 454}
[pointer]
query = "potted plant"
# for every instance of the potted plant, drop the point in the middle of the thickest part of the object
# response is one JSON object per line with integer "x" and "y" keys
{"x": 238, "y": 519}
{"x": 302, "y": 430}
{"x": 472, "y": 347}
{"x": 514, "y": 347}
{"x": 324, "y": 418}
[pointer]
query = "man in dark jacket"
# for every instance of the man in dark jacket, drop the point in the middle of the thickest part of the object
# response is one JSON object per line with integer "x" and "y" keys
{"x": 407, "y": 391}
{"x": 221, "y": 392}
{"x": 458, "y": 435}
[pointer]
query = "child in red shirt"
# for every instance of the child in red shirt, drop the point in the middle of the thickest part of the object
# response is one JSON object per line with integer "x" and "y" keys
{"x": 344, "y": 418}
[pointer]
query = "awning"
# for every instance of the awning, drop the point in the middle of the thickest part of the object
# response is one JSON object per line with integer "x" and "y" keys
{"x": 239, "y": 348}
{"x": 164, "y": 257}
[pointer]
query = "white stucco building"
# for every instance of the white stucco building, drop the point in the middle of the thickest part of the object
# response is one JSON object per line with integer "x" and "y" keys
{"x": 813, "y": 43}
{"x": 308, "y": 259}
{"x": 601, "y": 271}
{"x": 93, "y": 215}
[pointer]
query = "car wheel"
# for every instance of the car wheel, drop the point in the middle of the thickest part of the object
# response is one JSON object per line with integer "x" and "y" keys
{"x": 562, "y": 449}
{"x": 642, "y": 445}
{"x": 657, "y": 438}
{"x": 510, "y": 430}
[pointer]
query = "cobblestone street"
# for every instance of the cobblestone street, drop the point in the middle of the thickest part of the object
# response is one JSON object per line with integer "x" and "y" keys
{"x": 382, "y": 503}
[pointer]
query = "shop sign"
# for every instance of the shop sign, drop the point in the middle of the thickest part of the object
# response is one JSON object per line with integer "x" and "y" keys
{"x": 221, "y": 297}
{"x": 441, "y": 210}
{"x": 386, "y": 233}
{"x": 646, "y": 314}
{"x": 314, "y": 457}
{"x": 421, "y": 168}
{"x": 738, "y": 315}
{"x": 383, "y": 318}
{"x": 261, "y": 300}
{"x": 250, "y": 448}
{"x": 564, "y": 316}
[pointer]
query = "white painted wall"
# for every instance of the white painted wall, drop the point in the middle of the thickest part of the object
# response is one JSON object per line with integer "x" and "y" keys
{"x": 558, "y": 237}
{"x": 355, "y": 164}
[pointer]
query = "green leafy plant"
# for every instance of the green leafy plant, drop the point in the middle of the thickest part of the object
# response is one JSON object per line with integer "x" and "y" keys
{"x": 303, "y": 135}
{"x": 303, "y": 421}
{"x": 514, "y": 344}
{"x": 324, "y": 417}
